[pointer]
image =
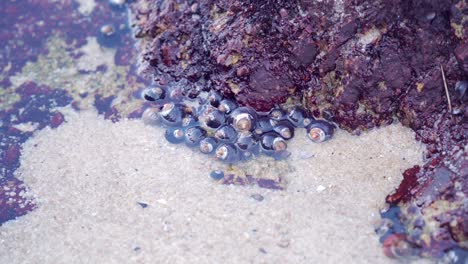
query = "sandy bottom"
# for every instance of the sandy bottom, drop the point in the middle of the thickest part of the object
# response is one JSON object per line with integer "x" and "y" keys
{"x": 88, "y": 176}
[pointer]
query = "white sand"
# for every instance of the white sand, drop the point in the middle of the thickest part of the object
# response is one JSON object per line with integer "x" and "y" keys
{"x": 88, "y": 175}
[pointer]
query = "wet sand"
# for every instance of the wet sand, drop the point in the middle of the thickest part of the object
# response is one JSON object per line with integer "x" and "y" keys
{"x": 88, "y": 176}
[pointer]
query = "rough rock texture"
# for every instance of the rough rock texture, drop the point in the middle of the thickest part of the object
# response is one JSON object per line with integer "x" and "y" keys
{"x": 359, "y": 63}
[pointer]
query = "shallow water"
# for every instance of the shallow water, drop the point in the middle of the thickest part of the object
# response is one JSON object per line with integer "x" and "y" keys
{"x": 55, "y": 54}
{"x": 81, "y": 180}
{"x": 89, "y": 189}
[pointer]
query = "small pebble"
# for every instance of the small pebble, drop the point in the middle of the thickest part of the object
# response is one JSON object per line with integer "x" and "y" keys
{"x": 321, "y": 188}
{"x": 430, "y": 16}
{"x": 151, "y": 116}
{"x": 217, "y": 175}
{"x": 283, "y": 243}
{"x": 143, "y": 205}
{"x": 107, "y": 30}
{"x": 257, "y": 197}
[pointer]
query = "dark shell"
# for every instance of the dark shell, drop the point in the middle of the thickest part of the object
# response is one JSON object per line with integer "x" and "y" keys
{"x": 214, "y": 98}
{"x": 277, "y": 114}
{"x": 228, "y": 153}
{"x": 212, "y": 118}
{"x": 320, "y": 130}
{"x": 284, "y": 128}
{"x": 151, "y": 116}
{"x": 298, "y": 117}
{"x": 273, "y": 145}
{"x": 189, "y": 121}
{"x": 193, "y": 93}
{"x": 107, "y": 30}
{"x": 226, "y": 133}
{"x": 244, "y": 119}
{"x": 271, "y": 142}
{"x": 193, "y": 136}
{"x": 109, "y": 36}
{"x": 172, "y": 114}
{"x": 175, "y": 93}
{"x": 174, "y": 135}
{"x": 246, "y": 155}
{"x": 153, "y": 94}
{"x": 217, "y": 175}
{"x": 208, "y": 145}
{"x": 263, "y": 125}
{"x": 205, "y": 109}
{"x": 227, "y": 106}
{"x": 246, "y": 142}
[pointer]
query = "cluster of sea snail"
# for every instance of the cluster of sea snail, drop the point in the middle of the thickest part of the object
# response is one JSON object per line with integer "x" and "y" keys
{"x": 217, "y": 125}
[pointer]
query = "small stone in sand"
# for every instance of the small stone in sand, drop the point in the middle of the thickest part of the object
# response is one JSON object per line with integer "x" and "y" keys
{"x": 143, "y": 205}
{"x": 257, "y": 197}
{"x": 217, "y": 175}
{"x": 321, "y": 188}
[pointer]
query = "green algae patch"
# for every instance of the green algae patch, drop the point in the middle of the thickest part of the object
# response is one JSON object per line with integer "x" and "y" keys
{"x": 86, "y": 73}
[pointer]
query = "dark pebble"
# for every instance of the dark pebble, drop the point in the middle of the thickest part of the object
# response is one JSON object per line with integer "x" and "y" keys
{"x": 217, "y": 175}
{"x": 257, "y": 197}
{"x": 143, "y": 205}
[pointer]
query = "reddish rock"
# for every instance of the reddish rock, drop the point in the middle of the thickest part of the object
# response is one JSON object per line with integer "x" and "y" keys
{"x": 12, "y": 203}
{"x": 410, "y": 180}
{"x": 11, "y": 155}
{"x": 56, "y": 119}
